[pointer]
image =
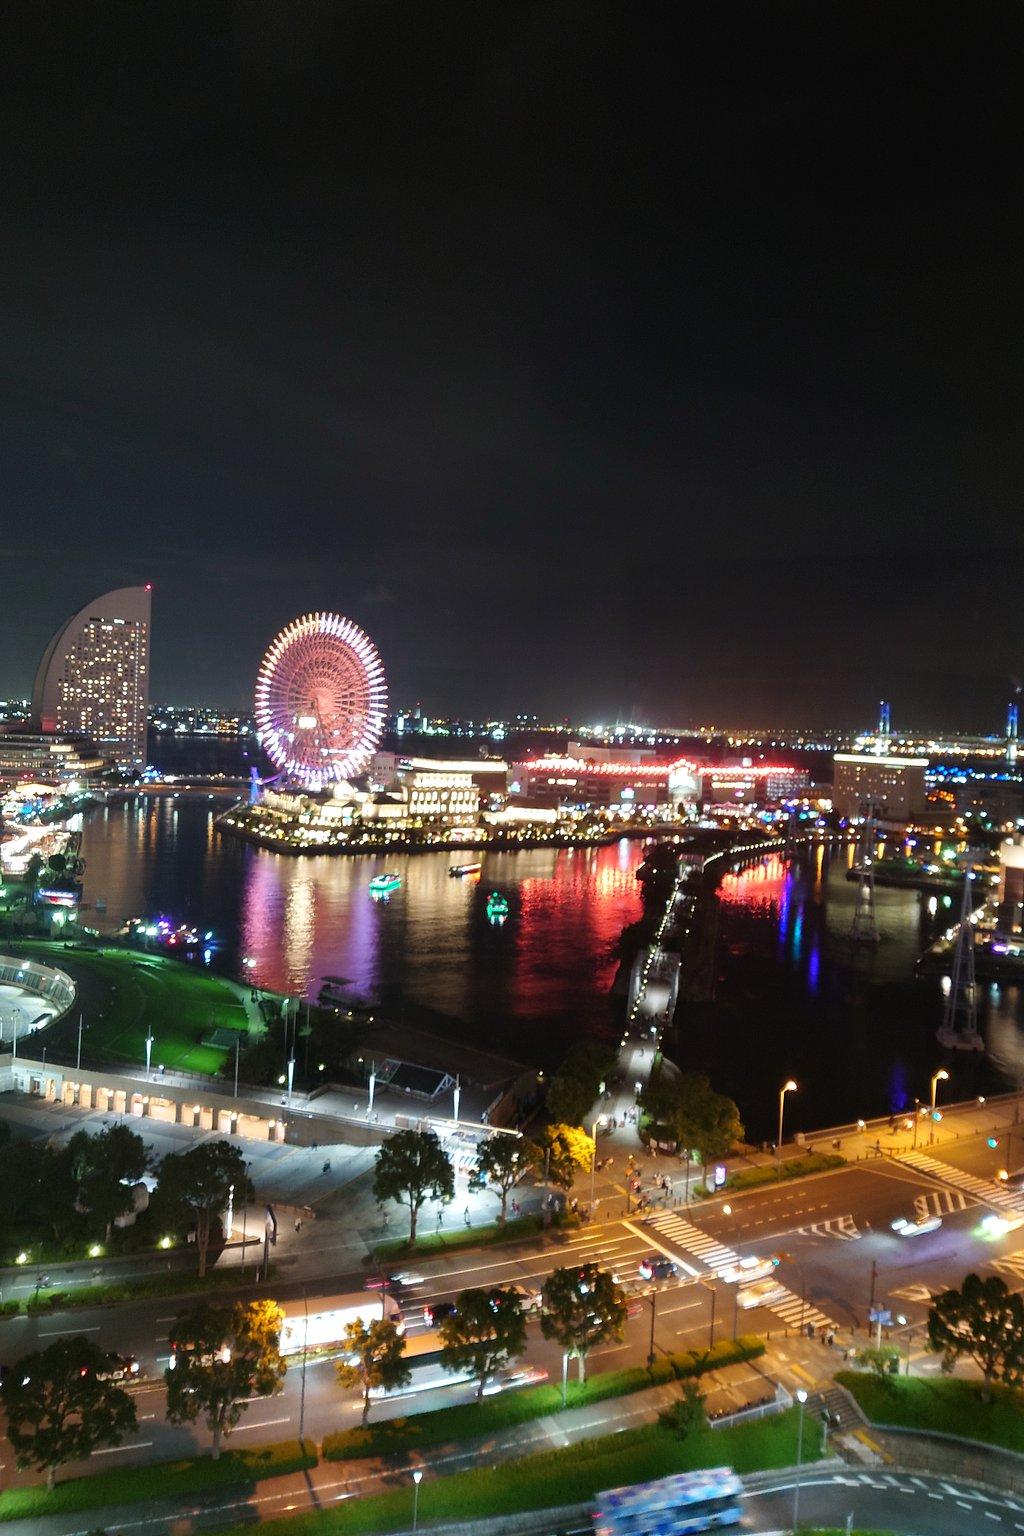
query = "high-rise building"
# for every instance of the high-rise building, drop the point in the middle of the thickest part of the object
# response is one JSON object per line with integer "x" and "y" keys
{"x": 93, "y": 679}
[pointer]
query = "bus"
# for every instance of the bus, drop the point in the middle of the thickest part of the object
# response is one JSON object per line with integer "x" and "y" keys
{"x": 320, "y": 1321}
{"x": 671, "y": 1506}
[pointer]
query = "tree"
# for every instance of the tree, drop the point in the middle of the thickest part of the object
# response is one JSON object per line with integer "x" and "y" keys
{"x": 412, "y": 1165}
{"x": 694, "y": 1114}
{"x": 564, "y": 1148}
{"x": 222, "y": 1356}
{"x": 503, "y": 1162}
{"x": 687, "y": 1415}
{"x": 582, "y": 1307}
{"x": 576, "y": 1086}
{"x": 484, "y": 1332}
{"x": 59, "y": 1410}
{"x": 198, "y": 1185}
{"x": 105, "y": 1167}
{"x": 376, "y": 1359}
{"x": 983, "y": 1321}
{"x": 878, "y": 1358}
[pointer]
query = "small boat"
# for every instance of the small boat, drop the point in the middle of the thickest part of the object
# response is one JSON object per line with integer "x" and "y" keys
{"x": 458, "y": 870}
{"x": 497, "y": 907}
{"x": 383, "y": 885}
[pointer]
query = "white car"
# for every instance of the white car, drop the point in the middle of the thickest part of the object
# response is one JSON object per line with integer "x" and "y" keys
{"x": 525, "y": 1376}
{"x": 530, "y": 1296}
{"x": 760, "y": 1294}
{"x": 748, "y": 1269}
{"x": 913, "y": 1226}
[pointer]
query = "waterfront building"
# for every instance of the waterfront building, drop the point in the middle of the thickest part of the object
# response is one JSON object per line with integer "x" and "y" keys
{"x": 574, "y": 783}
{"x": 93, "y": 679}
{"x": 893, "y": 786}
{"x": 47, "y": 760}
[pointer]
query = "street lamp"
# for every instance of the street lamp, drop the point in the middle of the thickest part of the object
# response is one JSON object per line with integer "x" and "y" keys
{"x": 417, "y": 1477}
{"x": 801, "y": 1398}
{"x": 787, "y": 1087}
{"x": 941, "y": 1076}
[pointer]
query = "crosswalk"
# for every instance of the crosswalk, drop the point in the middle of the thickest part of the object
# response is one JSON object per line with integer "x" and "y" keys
{"x": 793, "y": 1310}
{"x": 711, "y": 1252}
{"x": 940, "y": 1202}
{"x": 1011, "y": 1264}
{"x": 842, "y": 1228}
{"x": 985, "y": 1190}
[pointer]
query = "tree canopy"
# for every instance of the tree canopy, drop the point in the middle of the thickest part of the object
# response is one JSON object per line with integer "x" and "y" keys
{"x": 485, "y": 1331}
{"x": 222, "y": 1356}
{"x": 411, "y": 1167}
{"x": 375, "y": 1359}
{"x": 563, "y": 1150}
{"x": 502, "y": 1163}
{"x": 984, "y": 1322}
{"x": 687, "y": 1106}
{"x": 576, "y": 1086}
{"x": 105, "y": 1167}
{"x": 59, "y": 1409}
{"x": 582, "y": 1307}
{"x": 199, "y": 1184}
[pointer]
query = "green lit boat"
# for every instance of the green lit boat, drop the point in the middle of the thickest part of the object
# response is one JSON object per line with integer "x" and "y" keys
{"x": 497, "y": 907}
{"x": 383, "y": 885}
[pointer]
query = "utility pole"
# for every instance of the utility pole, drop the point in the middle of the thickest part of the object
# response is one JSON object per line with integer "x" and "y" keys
{"x": 78, "y": 1062}
{"x": 874, "y": 1276}
{"x": 714, "y": 1297}
{"x": 653, "y": 1299}
{"x": 238, "y": 1044}
{"x": 302, "y": 1394}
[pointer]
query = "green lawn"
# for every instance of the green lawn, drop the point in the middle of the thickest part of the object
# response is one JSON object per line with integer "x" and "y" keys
{"x": 949, "y": 1405}
{"x": 554, "y": 1478}
{"x": 125, "y": 993}
{"x": 162, "y": 1480}
{"x": 516, "y": 1229}
{"x": 466, "y": 1421}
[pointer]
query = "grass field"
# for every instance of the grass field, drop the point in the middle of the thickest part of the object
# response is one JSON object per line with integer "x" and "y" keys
{"x": 950, "y": 1405}
{"x": 124, "y": 994}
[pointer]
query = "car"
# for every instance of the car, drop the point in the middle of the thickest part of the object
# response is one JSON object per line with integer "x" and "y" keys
{"x": 530, "y": 1296}
{"x": 759, "y": 1293}
{"x": 434, "y": 1311}
{"x": 525, "y": 1376}
{"x": 392, "y": 1282}
{"x": 121, "y": 1368}
{"x": 913, "y": 1226}
{"x": 748, "y": 1269}
{"x": 657, "y": 1266}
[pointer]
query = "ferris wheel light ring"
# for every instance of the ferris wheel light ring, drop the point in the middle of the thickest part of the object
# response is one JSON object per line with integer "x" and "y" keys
{"x": 321, "y": 698}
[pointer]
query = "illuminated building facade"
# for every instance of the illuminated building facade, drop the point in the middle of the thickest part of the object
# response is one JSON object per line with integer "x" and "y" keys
{"x": 1011, "y": 885}
{"x": 93, "y": 679}
{"x": 47, "y": 759}
{"x": 894, "y": 786}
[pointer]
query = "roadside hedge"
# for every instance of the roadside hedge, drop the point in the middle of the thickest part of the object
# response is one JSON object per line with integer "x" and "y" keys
{"x": 464, "y": 1421}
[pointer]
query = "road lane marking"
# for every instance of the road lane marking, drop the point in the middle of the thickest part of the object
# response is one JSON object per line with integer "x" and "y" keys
{"x": 263, "y": 1424}
{"x": 111, "y": 1450}
{"x": 59, "y": 1333}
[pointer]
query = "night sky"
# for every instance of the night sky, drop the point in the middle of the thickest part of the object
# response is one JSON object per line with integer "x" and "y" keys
{"x": 656, "y": 360}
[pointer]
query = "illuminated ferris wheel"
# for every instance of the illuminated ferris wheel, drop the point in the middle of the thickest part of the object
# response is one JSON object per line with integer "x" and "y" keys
{"x": 320, "y": 700}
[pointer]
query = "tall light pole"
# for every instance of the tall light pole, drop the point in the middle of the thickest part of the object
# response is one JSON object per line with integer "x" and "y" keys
{"x": 787, "y": 1087}
{"x": 149, "y": 1050}
{"x": 801, "y": 1398}
{"x": 417, "y": 1478}
{"x": 941, "y": 1076}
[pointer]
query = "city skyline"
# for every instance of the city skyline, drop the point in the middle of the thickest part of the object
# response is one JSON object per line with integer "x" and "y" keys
{"x": 576, "y": 360}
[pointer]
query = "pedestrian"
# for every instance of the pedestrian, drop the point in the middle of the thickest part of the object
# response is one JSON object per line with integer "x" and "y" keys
{"x": 465, "y": 1215}
{"x": 326, "y": 1168}
{"x": 440, "y": 1217}
{"x": 298, "y": 1224}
